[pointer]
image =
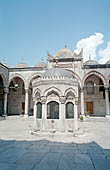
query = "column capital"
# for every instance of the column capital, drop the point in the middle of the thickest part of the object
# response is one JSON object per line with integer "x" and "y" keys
{"x": 82, "y": 89}
{"x": 76, "y": 100}
{"x": 106, "y": 89}
{"x": 43, "y": 99}
{"x": 27, "y": 90}
{"x": 6, "y": 90}
{"x": 62, "y": 99}
{"x": 106, "y": 86}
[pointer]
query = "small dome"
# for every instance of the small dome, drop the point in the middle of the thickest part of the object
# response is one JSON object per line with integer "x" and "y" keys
{"x": 57, "y": 72}
{"x": 108, "y": 62}
{"x": 91, "y": 62}
{"x": 65, "y": 53}
{"x": 41, "y": 64}
{"x": 5, "y": 64}
{"x": 21, "y": 65}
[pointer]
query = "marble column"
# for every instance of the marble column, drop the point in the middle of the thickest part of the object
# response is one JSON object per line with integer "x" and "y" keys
{"x": 35, "y": 110}
{"x": 35, "y": 127}
{"x": 76, "y": 115}
{"x": 82, "y": 101}
{"x": 26, "y": 102}
{"x": 107, "y": 101}
{"x": 62, "y": 117}
{"x": 44, "y": 114}
{"x": 5, "y": 100}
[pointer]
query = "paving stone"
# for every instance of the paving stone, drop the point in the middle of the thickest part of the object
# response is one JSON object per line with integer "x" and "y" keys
{"x": 106, "y": 151}
{"x": 49, "y": 162}
{"x": 11, "y": 155}
{"x": 30, "y": 158}
{"x": 101, "y": 164}
{"x": 20, "y": 167}
{"x": 94, "y": 151}
{"x": 83, "y": 151}
{"x": 21, "y": 151}
{"x": 84, "y": 167}
{"x": 5, "y": 166}
{"x": 82, "y": 159}
{"x": 66, "y": 162}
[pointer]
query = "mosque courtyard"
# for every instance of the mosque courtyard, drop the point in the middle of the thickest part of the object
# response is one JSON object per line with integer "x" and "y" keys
{"x": 20, "y": 150}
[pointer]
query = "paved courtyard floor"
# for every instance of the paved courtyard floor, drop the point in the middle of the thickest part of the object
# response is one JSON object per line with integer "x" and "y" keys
{"x": 19, "y": 150}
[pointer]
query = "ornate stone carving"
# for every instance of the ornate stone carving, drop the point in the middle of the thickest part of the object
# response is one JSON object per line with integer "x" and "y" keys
{"x": 43, "y": 99}
{"x": 62, "y": 99}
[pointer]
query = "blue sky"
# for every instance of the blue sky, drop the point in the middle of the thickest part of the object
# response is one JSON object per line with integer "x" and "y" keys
{"x": 29, "y": 27}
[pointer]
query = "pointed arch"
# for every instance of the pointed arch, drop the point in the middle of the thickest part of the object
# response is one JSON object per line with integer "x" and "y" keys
{"x": 15, "y": 76}
{"x": 3, "y": 78}
{"x": 93, "y": 73}
{"x": 47, "y": 91}
{"x": 69, "y": 90}
{"x": 33, "y": 76}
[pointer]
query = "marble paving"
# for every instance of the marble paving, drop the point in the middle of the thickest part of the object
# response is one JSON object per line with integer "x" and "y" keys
{"x": 19, "y": 150}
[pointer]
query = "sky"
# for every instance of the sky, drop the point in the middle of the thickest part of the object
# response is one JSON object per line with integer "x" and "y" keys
{"x": 28, "y": 28}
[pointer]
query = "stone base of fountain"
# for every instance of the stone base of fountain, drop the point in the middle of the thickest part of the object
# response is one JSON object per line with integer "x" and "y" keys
{"x": 53, "y": 133}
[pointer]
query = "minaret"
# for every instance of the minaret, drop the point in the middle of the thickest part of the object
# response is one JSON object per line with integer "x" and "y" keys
{"x": 42, "y": 59}
{"x": 65, "y": 45}
{"x": 22, "y": 59}
{"x": 56, "y": 61}
{"x": 4, "y": 59}
{"x": 89, "y": 57}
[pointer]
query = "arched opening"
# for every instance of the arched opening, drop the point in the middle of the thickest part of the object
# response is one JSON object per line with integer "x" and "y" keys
{"x": 53, "y": 110}
{"x": 39, "y": 110}
{"x": 90, "y": 87}
{"x": 69, "y": 110}
{"x": 1, "y": 95}
{"x": 16, "y": 97}
{"x": 94, "y": 96}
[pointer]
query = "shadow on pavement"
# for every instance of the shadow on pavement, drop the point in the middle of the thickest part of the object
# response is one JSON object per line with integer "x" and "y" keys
{"x": 52, "y": 155}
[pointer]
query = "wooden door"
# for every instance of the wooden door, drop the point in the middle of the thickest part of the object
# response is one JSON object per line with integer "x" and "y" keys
{"x": 89, "y": 106}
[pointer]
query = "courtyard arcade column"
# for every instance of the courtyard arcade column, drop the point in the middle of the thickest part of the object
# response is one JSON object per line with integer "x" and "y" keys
{"x": 5, "y": 100}
{"x": 35, "y": 125}
{"x": 35, "y": 110}
{"x": 26, "y": 101}
{"x": 82, "y": 101}
{"x": 107, "y": 101}
{"x": 76, "y": 114}
{"x": 44, "y": 113}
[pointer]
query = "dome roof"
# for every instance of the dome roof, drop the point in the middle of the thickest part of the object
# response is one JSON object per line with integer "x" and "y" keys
{"x": 41, "y": 64}
{"x": 108, "y": 62}
{"x": 57, "y": 72}
{"x": 21, "y": 65}
{"x": 5, "y": 64}
{"x": 65, "y": 53}
{"x": 91, "y": 62}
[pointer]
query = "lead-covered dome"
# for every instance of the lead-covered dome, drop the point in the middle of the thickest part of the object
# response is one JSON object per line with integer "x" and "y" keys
{"x": 108, "y": 62}
{"x": 91, "y": 62}
{"x": 65, "y": 53}
{"x": 22, "y": 64}
{"x": 7, "y": 65}
{"x": 41, "y": 64}
{"x": 57, "y": 72}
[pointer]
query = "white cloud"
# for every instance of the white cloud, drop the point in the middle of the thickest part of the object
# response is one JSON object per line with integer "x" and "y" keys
{"x": 89, "y": 45}
{"x": 104, "y": 54}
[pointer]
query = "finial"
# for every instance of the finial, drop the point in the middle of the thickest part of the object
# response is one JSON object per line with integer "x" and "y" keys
{"x": 56, "y": 60}
{"x": 42, "y": 59}
{"x": 22, "y": 59}
{"x": 65, "y": 45}
{"x": 81, "y": 50}
{"x": 89, "y": 57}
{"x": 4, "y": 59}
